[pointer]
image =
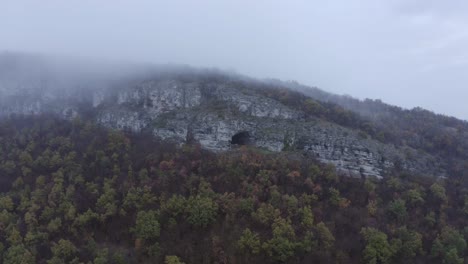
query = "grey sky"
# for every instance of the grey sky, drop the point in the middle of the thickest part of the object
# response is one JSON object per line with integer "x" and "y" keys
{"x": 406, "y": 52}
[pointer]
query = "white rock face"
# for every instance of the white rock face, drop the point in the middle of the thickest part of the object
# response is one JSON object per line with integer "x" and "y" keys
{"x": 161, "y": 97}
{"x": 122, "y": 119}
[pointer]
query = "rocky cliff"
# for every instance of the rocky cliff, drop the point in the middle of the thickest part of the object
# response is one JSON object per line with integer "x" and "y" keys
{"x": 218, "y": 111}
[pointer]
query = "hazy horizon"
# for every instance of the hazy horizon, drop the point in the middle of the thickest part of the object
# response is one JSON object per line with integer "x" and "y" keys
{"x": 407, "y": 53}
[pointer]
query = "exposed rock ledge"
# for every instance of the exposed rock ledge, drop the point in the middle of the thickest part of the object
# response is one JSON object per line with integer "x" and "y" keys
{"x": 217, "y": 115}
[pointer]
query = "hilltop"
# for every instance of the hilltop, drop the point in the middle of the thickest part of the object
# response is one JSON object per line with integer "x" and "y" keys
{"x": 220, "y": 110}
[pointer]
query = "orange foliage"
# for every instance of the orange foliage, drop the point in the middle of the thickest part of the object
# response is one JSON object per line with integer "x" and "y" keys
{"x": 294, "y": 174}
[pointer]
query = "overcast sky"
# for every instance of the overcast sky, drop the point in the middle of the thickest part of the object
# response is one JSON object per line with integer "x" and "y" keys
{"x": 405, "y": 52}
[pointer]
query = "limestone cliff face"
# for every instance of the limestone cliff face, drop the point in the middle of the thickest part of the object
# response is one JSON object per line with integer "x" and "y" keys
{"x": 216, "y": 114}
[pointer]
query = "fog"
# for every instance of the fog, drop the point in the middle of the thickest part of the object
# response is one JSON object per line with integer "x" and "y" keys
{"x": 405, "y": 52}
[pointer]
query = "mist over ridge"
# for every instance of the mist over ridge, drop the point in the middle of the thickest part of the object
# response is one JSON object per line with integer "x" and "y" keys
{"x": 73, "y": 71}
{"x": 408, "y": 53}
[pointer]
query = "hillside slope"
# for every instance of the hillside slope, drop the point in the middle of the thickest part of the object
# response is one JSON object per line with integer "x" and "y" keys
{"x": 419, "y": 128}
{"x": 103, "y": 163}
{"x": 216, "y": 109}
{"x": 75, "y": 192}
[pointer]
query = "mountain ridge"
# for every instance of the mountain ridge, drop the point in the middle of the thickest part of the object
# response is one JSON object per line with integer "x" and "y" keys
{"x": 184, "y": 104}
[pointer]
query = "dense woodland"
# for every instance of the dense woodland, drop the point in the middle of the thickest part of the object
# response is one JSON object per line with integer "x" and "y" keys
{"x": 74, "y": 192}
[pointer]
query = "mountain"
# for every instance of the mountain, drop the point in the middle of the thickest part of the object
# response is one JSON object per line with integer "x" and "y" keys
{"x": 218, "y": 109}
{"x": 131, "y": 163}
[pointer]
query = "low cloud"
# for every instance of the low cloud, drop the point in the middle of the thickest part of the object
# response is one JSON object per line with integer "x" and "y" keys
{"x": 406, "y": 52}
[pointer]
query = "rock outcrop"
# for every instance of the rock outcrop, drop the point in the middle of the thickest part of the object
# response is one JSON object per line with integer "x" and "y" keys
{"x": 217, "y": 110}
{"x": 219, "y": 115}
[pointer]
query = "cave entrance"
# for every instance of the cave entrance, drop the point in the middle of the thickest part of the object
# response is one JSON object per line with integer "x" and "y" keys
{"x": 241, "y": 138}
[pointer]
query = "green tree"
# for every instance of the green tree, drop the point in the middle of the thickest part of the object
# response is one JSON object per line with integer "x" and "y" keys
{"x": 102, "y": 257}
{"x": 54, "y": 225}
{"x": 147, "y": 225}
{"x": 14, "y": 236}
{"x": 452, "y": 257}
{"x": 106, "y": 204}
{"x": 377, "y": 248}
{"x": 397, "y": 209}
{"x": 33, "y": 238}
{"x": 394, "y": 183}
{"x": 437, "y": 248}
{"x": 307, "y": 217}
{"x": 8, "y": 167}
{"x": 119, "y": 258}
{"x": 246, "y": 205}
{"x": 325, "y": 237}
{"x": 334, "y": 196}
{"x": 83, "y": 219}
{"x": 153, "y": 250}
{"x": 172, "y": 260}
{"x": 201, "y": 211}
{"x": 175, "y": 206}
{"x": 438, "y": 191}
{"x": 448, "y": 240}
{"x": 63, "y": 251}
{"x": 290, "y": 203}
{"x": 282, "y": 246}
{"x": 6, "y": 203}
{"x": 414, "y": 197}
{"x": 265, "y": 214}
{"x": 408, "y": 243}
{"x": 250, "y": 242}
{"x": 453, "y": 239}
{"x": 18, "y": 254}
{"x": 430, "y": 219}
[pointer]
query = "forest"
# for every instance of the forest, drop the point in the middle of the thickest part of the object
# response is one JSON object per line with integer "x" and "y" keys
{"x": 75, "y": 192}
{"x": 418, "y": 128}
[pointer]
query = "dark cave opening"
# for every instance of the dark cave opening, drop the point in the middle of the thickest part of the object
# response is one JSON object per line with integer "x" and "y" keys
{"x": 241, "y": 138}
